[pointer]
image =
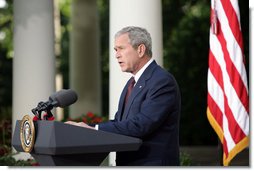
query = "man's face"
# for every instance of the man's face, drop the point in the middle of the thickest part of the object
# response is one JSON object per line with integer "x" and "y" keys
{"x": 127, "y": 57}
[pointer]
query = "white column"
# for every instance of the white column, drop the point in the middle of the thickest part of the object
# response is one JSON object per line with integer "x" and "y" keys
{"x": 34, "y": 62}
{"x": 84, "y": 58}
{"x": 142, "y": 13}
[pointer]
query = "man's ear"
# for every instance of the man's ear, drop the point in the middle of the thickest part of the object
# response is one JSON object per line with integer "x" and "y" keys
{"x": 141, "y": 50}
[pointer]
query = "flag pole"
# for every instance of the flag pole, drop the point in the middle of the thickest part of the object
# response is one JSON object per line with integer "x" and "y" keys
{"x": 220, "y": 152}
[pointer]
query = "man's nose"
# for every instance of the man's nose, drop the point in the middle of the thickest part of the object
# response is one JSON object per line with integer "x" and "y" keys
{"x": 117, "y": 55}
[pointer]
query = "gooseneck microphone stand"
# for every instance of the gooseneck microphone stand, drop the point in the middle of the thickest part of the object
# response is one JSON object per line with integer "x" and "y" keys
{"x": 46, "y": 107}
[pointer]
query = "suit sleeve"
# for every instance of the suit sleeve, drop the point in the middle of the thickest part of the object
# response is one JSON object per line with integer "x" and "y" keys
{"x": 156, "y": 108}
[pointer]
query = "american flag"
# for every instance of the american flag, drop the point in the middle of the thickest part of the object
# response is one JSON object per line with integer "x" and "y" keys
{"x": 228, "y": 99}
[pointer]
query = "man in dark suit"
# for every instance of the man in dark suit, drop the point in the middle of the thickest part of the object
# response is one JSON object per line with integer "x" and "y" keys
{"x": 151, "y": 111}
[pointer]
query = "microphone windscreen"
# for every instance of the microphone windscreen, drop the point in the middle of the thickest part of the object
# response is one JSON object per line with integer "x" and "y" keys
{"x": 52, "y": 97}
{"x": 65, "y": 97}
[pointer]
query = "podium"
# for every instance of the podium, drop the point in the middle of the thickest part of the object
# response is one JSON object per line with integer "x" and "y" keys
{"x": 60, "y": 144}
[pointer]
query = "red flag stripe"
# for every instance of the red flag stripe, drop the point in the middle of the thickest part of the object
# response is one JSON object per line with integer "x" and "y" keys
{"x": 215, "y": 69}
{"x": 228, "y": 106}
{"x": 235, "y": 77}
{"x": 233, "y": 100}
{"x": 215, "y": 110}
{"x": 236, "y": 132}
{"x": 232, "y": 125}
{"x": 216, "y": 93}
{"x": 234, "y": 49}
{"x": 225, "y": 148}
{"x": 234, "y": 21}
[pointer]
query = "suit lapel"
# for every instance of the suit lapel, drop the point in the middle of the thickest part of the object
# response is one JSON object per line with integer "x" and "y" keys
{"x": 136, "y": 90}
{"x": 121, "y": 102}
{"x": 140, "y": 85}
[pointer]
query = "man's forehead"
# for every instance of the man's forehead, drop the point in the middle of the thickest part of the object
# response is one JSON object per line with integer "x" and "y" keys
{"x": 122, "y": 41}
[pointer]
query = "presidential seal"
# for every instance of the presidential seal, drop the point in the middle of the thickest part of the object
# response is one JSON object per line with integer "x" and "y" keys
{"x": 27, "y": 134}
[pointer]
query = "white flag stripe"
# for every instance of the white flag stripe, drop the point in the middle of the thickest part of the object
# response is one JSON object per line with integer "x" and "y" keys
{"x": 235, "y": 51}
{"x": 227, "y": 134}
{"x": 212, "y": 4}
{"x": 215, "y": 91}
{"x": 217, "y": 94}
{"x": 228, "y": 55}
{"x": 235, "y": 6}
{"x": 234, "y": 102}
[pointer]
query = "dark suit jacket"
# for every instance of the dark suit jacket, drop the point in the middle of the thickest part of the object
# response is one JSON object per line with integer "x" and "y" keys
{"x": 152, "y": 114}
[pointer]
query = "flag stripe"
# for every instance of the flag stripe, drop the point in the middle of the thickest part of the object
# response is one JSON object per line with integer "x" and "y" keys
{"x": 235, "y": 51}
{"x": 233, "y": 74}
{"x": 234, "y": 21}
{"x": 233, "y": 100}
{"x": 227, "y": 99}
{"x": 231, "y": 56}
{"x": 225, "y": 148}
{"x": 233, "y": 125}
{"x": 235, "y": 103}
{"x": 216, "y": 93}
{"x": 234, "y": 4}
{"x": 215, "y": 69}
{"x": 228, "y": 141}
{"x": 215, "y": 110}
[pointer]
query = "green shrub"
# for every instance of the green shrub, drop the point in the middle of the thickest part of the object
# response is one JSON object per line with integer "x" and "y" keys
{"x": 8, "y": 160}
{"x": 185, "y": 159}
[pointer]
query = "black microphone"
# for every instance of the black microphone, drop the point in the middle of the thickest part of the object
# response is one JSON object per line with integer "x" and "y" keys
{"x": 62, "y": 98}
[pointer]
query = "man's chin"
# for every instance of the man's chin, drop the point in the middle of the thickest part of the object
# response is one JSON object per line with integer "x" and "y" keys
{"x": 123, "y": 70}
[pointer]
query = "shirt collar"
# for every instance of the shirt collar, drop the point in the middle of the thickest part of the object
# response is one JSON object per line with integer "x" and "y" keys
{"x": 140, "y": 72}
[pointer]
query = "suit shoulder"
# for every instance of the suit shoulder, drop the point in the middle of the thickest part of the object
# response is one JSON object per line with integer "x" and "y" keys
{"x": 156, "y": 74}
{"x": 161, "y": 73}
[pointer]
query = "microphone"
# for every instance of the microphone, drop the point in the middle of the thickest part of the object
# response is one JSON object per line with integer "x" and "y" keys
{"x": 62, "y": 98}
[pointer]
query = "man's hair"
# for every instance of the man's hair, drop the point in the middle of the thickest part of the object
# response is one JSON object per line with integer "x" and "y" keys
{"x": 137, "y": 36}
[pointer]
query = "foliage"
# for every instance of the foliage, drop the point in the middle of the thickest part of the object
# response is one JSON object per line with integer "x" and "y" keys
{"x": 5, "y": 134}
{"x": 185, "y": 159}
{"x": 6, "y": 155}
{"x": 89, "y": 118}
{"x": 103, "y": 7}
{"x": 6, "y": 29}
{"x": 6, "y": 54}
{"x": 186, "y": 57}
{"x": 65, "y": 11}
{"x": 9, "y": 160}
